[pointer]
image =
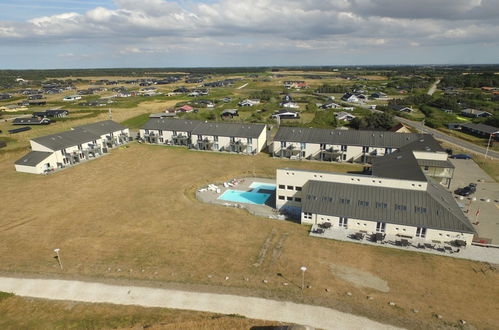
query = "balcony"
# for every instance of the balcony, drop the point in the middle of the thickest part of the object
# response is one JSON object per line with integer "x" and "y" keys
{"x": 181, "y": 140}
{"x": 205, "y": 144}
{"x": 237, "y": 146}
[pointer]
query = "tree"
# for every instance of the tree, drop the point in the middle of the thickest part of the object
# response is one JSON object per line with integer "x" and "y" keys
{"x": 375, "y": 120}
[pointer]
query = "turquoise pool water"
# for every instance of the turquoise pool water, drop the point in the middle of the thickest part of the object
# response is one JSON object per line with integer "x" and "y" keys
{"x": 248, "y": 197}
{"x": 260, "y": 185}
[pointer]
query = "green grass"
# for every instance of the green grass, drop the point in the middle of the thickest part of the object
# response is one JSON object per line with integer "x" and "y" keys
{"x": 137, "y": 121}
{"x": 5, "y": 295}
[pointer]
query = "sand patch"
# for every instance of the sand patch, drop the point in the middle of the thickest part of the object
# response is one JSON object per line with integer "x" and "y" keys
{"x": 359, "y": 277}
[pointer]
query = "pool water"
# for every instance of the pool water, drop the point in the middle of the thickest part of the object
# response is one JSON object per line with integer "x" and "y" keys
{"x": 248, "y": 197}
{"x": 265, "y": 186}
{"x": 258, "y": 195}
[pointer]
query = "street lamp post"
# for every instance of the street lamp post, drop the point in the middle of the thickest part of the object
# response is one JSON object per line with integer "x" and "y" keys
{"x": 303, "y": 269}
{"x": 488, "y": 143}
{"x": 58, "y": 257}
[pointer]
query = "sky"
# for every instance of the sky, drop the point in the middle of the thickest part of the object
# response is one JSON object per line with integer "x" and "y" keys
{"x": 45, "y": 34}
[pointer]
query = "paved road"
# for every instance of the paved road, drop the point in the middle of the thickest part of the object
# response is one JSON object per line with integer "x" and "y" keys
{"x": 450, "y": 139}
{"x": 257, "y": 308}
{"x": 433, "y": 87}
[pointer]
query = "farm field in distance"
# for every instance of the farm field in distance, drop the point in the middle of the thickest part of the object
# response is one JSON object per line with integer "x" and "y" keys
{"x": 132, "y": 216}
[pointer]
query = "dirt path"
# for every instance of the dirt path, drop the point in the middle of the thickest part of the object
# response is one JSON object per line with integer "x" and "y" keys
{"x": 241, "y": 87}
{"x": 433, "y": 87}
{"x": 258, "y": 308}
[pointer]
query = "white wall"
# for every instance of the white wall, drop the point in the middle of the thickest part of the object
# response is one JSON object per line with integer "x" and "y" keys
{"x": 38, "y": 168}
{"x": 430, "y": 155}
{"x": 298, "y": 178}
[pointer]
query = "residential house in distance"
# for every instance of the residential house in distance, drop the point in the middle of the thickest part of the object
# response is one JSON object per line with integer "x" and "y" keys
{"x": 229, "y": 113}
{"x": 400, "y": 128}
{"x": 350, "y": 97}
{"x": 473, "y": 113}
{"x": 185, "y": 109}
{"x": 379, "y": 96}
{"x": 53, "y": 113}
{"x": 71, "y": 98}
{"x": 296, "y": 84}
{"x": 330, "y": 105}
{"x": 344, "y": 116}
{"x": 286, "y": 114}
{"x": 31, "y": 121}
{"x": 175, "y": 132}
{"x": 248, "y": 103}
{"x": 401, "y": 108}
{"x": 60, "y": 150}
{"x": 230, "y": 137}
{"x": 480, "y": 130}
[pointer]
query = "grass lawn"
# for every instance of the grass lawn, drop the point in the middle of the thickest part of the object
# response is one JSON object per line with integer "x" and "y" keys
{"x": 26, "y": 313}
{"x": 132, "y": 215}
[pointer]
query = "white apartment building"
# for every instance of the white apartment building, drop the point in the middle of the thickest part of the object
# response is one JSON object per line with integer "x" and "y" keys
{"x": 60, "y": 150}
{"x": 411, "y": 208}
{"x": 230, "y": 137}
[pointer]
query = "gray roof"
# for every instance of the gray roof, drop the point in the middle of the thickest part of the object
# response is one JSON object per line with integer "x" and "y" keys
{"x": 348, "y": 137}
{"x": 229, "y": 129}
{"x": 480, "y": 128}
{"x": 435, "y": 163}
{"x": 33, "y": 158}
{"x": 102, "y": 127}
{"x": 182, "y": 125}
{"x": 66, "y": 139}
{"x": 400, "y": 165}
{"x": 442, "y": 212}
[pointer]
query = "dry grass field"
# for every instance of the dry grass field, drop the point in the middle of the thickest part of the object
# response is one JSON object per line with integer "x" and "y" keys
{"x": 132, "y": 215}
{"x": 51, "y": 315}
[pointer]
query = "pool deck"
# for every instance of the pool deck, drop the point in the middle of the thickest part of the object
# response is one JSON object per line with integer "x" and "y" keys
{"x": 264, "y": 210}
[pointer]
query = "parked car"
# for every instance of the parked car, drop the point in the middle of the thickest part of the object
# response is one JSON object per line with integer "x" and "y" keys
{"x": 466, "y": 191}
{"x": 461, "y": 156}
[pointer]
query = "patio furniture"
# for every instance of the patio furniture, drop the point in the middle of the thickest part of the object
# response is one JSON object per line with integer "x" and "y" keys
{"x": 359, "y": 236}
{"x": 459, "y": 242}
{"x": 429, "y": 246}
{"x": 377, "y": 237}
{"x": 325, "y": 225}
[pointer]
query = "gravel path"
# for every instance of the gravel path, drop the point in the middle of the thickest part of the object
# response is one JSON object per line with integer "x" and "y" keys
{"x": 257, "y": 308}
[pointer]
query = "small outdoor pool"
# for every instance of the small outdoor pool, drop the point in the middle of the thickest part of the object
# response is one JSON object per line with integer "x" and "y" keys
{"x": 248, "y": 197}
{"x": 259, "y": 194}
{"x": 262, "y": 186}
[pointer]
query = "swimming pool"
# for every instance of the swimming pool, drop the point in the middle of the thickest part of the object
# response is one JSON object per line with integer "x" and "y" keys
{"x": 260, "y": 185}
{"x": 248, "y": 197}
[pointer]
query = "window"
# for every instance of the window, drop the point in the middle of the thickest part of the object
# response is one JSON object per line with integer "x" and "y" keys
{"x": 290, "y": 187}
{"x": 381, "y": 205}
{"x": 426, "y": 168}
{"x": 419, "y": 209}
{"x": 200, "y": 137}
{"x": 303, "y": 146}
{"x": 365, "y": 149}
{"x": 343, "y": 148}
{"x": 307, "y": 215}
{"x": 362, "y": 203}
{"x": 297, "y": 199}
{"x": 388, "y": 150}
{"x": 399, "y": 207}
{"x": 298, "y": 188}
{"x": 344, "y": 201}
{"x": 160, "y": 132}
{"x": 80, "y": 147}
{"x": 249, "y": 141}
{"x": 323, "y": 146}
{"x": 343, "y": 222}
{"x": 380, "y": 227}
{"x": 281, "y": 186}
{"x": 281, "y": 197}
{"x": 232, "y": 139}
{"x": 215, "y": 138}
{"x": 283, "y": 144}
{"x": 289, "y": 198}
{"x": 344, "y": 157}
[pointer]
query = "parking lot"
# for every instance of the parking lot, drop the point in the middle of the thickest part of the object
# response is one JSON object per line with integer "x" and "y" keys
{"x": 466, "y": 172}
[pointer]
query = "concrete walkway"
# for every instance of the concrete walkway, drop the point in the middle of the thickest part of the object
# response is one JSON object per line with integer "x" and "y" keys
{"x": 257, "y": 308}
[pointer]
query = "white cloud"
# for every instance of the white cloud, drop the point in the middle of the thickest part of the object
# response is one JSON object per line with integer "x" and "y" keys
{"x": 340, "y": 26}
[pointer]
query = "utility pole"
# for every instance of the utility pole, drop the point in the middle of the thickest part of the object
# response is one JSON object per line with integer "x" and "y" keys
{"x": 488, "y": 143}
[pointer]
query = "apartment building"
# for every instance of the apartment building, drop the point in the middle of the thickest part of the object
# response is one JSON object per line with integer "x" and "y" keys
{"x": 57, "y": 151}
